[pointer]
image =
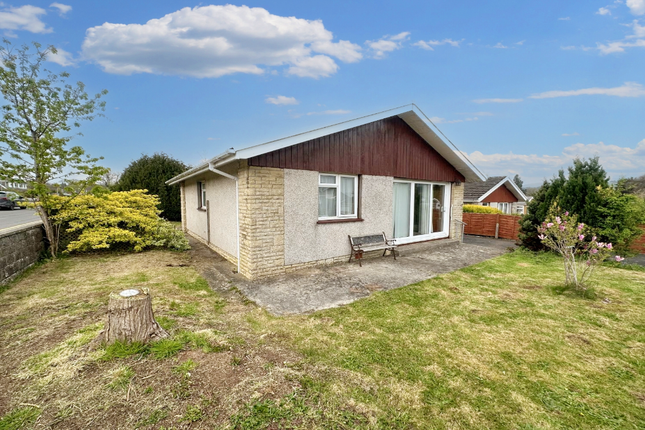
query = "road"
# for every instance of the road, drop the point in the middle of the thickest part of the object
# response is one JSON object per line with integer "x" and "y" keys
{"x": 16, "y": 217}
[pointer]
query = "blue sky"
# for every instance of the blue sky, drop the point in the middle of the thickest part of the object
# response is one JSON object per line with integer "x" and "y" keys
{"x": 519, "y": 86}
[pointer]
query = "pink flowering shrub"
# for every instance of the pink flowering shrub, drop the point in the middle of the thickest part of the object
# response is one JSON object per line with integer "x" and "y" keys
{"x": 578, "y": 246}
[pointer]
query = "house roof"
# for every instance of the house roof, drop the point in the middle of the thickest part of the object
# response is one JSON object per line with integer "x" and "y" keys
{"x": 478, "y": 191}
{"x": 411, "y": 114}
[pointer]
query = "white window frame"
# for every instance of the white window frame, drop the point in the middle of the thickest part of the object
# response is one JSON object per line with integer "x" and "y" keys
{"x": 201, "y": 186}
{"x": 447, "y": 219}
{"x": 503, "y": 206}
{"x": 338, "y": 199}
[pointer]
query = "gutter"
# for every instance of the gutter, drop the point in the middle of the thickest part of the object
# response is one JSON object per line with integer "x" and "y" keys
{"x": 200, "y": 169}
{"x": 237, "y": 206}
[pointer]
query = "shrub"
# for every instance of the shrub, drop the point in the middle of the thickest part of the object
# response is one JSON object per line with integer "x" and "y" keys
{"x": 151, "y": 173}
{"x": 481, "y": 209}
{"x": 587, "y": 193}
{"x": 581, "y": 251}
{"x": 125, "y": 218}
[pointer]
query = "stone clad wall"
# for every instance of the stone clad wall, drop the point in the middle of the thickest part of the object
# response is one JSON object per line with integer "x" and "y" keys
{"x": 19, "y": 249}
{"x": 457, "y": 208}
{"x": 261, "y": 221}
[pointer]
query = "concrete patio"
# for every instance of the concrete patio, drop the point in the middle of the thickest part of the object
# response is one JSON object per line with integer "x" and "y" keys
{"x": 325, "y": 287}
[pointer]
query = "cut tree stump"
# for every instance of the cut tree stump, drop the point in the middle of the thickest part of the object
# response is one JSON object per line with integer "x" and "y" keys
{"x": 130, "y": 318}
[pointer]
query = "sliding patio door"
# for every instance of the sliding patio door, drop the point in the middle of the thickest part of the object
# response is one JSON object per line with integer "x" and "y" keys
{"x": 420, "y": 211}
{"x": 402, "y": 200}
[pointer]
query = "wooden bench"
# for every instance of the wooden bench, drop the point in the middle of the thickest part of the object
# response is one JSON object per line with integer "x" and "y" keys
{"x": 373, "y": 242}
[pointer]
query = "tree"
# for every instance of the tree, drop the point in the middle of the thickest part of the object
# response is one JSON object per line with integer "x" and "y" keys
{"x": 519, "y": 182}
{"x": 110, "y": 179}
{"x": 37, "y": 112}
{"x": 586, "y": 193}
{"x": 151, "y": 173}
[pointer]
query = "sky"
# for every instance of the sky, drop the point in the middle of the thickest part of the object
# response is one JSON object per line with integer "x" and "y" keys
{"x": 520, "y": 87}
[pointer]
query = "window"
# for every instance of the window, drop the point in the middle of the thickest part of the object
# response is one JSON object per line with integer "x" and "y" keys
{"x": 201, "y": 196}
{"x": 503, "y": 207}
{"x": 337, "y": 196}
{"x": 485, "y": 204}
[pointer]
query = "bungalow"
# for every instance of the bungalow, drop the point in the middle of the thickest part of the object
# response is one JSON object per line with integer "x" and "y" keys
{"x": 291, "y": 203}
{"x": 498, "y": 192}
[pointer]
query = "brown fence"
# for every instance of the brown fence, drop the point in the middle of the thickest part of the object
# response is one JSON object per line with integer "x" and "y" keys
{"x": 494, "y": 225}
{"x": 508, "y": 226}
{"x": 639, "y": 244}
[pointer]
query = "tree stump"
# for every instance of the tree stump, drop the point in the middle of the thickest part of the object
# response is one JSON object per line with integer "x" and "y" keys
{"x": 130, "y": 318}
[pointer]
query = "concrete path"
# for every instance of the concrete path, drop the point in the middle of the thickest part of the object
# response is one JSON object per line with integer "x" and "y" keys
{"x": 17, "y": 217}
{"x": 638, "y": 259}
{"x": 325, "y": 287}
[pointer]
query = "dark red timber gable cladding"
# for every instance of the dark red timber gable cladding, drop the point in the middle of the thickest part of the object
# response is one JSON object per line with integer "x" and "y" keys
{"x": 502, "y": 195}
{"x": 388, "y": 147}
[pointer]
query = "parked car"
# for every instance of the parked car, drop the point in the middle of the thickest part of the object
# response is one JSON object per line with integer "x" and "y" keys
{"x": 11, "y": 200}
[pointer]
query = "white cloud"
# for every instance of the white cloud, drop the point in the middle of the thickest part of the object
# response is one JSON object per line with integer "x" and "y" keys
{"x": 571, "y": 134}
{"x": 23, "y": 18}
{"x": 61, "y": 57}
{"x": 387, "y": 44}
{"x": 618, "y": 161}
{"x": 497, "y": 100}
{"x": 213, "y": 41}
{"x": 521, "y": 42}
{"x": 637, "y": 7}
{"x": 62, "y": 8}
{"x": 603, "y": 11}
{"x": 428, "y": 45}
{"x": 568, "y": 48}
{"x": 639, "y": 30}
{"x": 331, "y": 112}
{"x": 566, "y": 18}
{"x": 438, "y": 120}
{"x": 500, "y": 46}
{"x": 629, "y": 89}
{"x": 282, "y": 100}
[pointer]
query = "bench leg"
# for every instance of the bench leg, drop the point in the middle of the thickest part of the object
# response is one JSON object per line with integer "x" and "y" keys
{"x": 350, "y": 257}
{"x": 394, "y": 253}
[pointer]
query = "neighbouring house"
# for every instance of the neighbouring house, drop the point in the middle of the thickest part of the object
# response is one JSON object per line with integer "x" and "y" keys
{"x": 498, "y": 192}
{"x": 291, "y": 203}
{"x": 13, "y": 185}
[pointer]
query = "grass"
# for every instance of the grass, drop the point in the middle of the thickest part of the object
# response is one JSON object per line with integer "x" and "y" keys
{"x": 495, "y": 345}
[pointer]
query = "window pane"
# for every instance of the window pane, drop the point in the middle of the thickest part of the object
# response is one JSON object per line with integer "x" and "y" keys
{"x": 326, "y": 202}
{"x": 347, "y": 196}
{"x": 421, "y": 209}
{"x": 327, "y": 179}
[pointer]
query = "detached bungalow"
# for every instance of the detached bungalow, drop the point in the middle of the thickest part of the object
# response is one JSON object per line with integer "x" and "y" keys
{"x": 291, "y": 203}
{"x": 498, "y": 192}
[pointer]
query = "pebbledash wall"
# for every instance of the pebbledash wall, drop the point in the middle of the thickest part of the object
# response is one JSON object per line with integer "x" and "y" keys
{"x": 278, "y": 218}
{"x": 19, "y": 248}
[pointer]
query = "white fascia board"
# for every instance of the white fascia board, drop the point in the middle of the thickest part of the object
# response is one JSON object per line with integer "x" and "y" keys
{"x": 201, "y": 168}
{"x": 515, "y": 190}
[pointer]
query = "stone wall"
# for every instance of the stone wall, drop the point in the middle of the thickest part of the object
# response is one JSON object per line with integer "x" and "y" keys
{"x": 261, "y": 221}
{"x": 457, "y": 210}
{"x": 19, "y": 248}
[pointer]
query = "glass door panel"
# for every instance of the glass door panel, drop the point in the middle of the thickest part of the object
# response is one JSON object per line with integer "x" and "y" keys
{"x": 438, "y": 205}
{"x": 401, "y": 209}
{"x": 421, "y": 209}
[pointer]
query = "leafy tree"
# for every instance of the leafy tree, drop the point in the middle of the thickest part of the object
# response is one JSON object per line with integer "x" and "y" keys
{"x": 519, "y": 182}
{"x": 37, "y": 111}
{"x": 151, "y": 173}
{"x": 586, "y": 193}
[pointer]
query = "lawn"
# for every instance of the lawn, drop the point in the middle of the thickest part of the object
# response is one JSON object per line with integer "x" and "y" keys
{"x": 495, "y": 345}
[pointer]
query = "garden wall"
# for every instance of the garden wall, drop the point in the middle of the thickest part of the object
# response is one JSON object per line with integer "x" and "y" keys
{"x": 20, "y": 247}
{"x": 494, "y": 225}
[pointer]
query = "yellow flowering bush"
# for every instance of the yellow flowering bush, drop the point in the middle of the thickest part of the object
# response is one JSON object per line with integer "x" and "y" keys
{"x": 481, "y": 209}
{"x": 128, "y": 218}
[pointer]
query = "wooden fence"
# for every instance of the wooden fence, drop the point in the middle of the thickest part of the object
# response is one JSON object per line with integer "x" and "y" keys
{"x": 494, "y": 225}
{"x": 639, "y": 244}
{"x": 508, "y": 227}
